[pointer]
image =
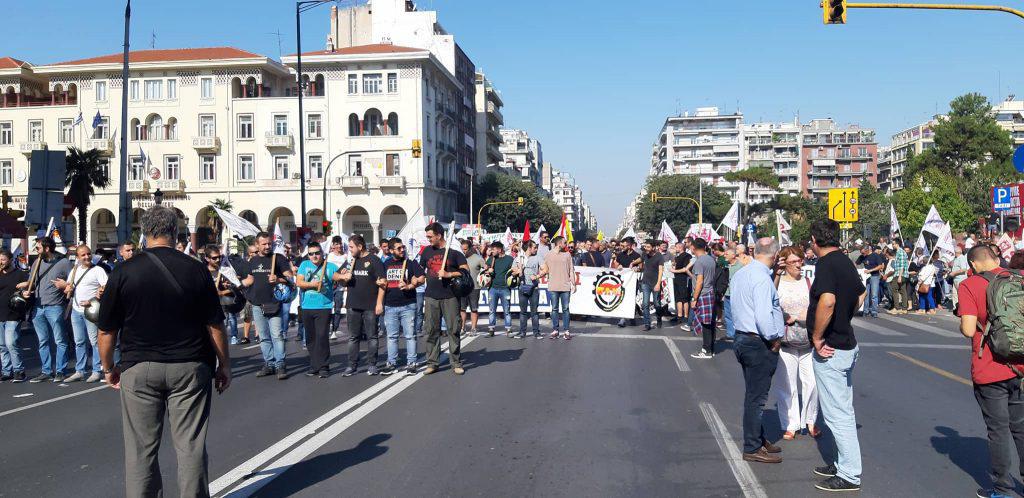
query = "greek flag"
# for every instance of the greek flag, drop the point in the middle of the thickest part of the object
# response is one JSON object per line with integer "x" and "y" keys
{"x": 78, "y": 120}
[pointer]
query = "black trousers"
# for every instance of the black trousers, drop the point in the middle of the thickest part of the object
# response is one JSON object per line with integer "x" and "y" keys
{"x": 1002, "y": 407}
{"x": 317, "y": 324}
{"x": 362, "y": 325}
{"x": 759, "y": 363}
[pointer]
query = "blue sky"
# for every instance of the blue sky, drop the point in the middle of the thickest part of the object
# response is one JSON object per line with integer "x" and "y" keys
{"x": 594, "y": 80}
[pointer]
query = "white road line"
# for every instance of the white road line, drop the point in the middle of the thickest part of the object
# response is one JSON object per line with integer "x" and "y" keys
{"x": 748, "y": 482}
{"x": 58, "y": 398}
{"x": 251, "y": 468}
{"x": 913, "y": 346}
{"x": 876, "y": 328}
{"x": 639, "y": 336}
{"x": 924, "y": 327}
{"x": 676, "y": 355}
{"x": 254, "y": 346}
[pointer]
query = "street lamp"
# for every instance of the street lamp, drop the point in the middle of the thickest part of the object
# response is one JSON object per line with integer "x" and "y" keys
{"x": 700, "y": 211}
{"x": 300, "y": 7}
{"x": 158, "y": 197}
{"x": 480, "y": 213}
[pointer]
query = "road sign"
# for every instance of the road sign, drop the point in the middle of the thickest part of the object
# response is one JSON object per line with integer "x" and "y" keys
{"x": 843, "y": 205}
{"x": 1018, "y": 159}
{"x": 845, "y": 225}
{"x": 1006, "y": 199}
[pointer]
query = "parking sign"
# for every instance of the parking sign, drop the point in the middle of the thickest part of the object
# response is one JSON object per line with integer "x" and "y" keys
{"x": 1006, "y": 199}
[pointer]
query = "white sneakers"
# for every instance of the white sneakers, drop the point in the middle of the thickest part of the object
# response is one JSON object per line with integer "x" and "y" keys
{"x": 75, "y": 377}
{"x": 94, "y": 377}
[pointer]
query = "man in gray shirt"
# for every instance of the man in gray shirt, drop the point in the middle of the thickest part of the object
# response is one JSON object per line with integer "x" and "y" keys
{"x": 472, "y": 301}
{"x": 703, "y": 303}
{"x": 528, "y": 268}
{"x": 51, "y": 278}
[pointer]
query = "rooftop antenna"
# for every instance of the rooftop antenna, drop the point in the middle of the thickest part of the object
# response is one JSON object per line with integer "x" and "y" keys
{"x": 152, "y": 39}
{"x": 278, "y": 34}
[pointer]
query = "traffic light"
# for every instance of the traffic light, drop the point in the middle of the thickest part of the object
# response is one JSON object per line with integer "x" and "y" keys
{"x": 327, "y": 227}
{"x": 834, "y": 11}
{"x": 417, "y": 149}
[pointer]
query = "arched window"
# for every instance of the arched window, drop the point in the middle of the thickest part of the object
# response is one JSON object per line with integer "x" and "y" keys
{"x": 353, "y": 125}
{"x": 318, "y": 88}
{"x": 155, "y": 125}
{"x": 138, "y": 130}
{"x": 172, "y": 129}
{"x": 373, "y": 123}
{"x": 393, "y": 124}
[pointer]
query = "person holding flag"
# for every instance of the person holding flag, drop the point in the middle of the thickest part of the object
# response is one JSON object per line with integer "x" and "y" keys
{"x": 266, "y": 270}
{"x": 441, "y": 264}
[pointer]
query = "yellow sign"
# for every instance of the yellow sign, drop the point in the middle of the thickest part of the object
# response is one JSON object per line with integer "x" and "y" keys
{"x": 843, "y": 205}
{"x": 846, "y": 225}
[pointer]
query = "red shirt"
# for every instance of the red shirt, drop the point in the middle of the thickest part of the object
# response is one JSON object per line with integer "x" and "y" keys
{"x": 972, "y": 295}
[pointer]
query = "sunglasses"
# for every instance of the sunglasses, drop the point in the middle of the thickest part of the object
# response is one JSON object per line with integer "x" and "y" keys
{"x": 215, "y": 258}
{"x": 314, "y": 253}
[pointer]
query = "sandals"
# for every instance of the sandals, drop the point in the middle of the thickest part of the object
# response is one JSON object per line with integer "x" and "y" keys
{"x": 789, "y": 435}
{"x": 813, "y": 431}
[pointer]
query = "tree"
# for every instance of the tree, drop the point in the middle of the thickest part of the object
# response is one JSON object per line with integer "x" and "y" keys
{"x": 801, "y": 212}
{"x": 679, "y": 214}
{"x": 874, "y": 213}
{"x": 968, "y": 137}
{"x": 932, "y": 187}
{"x": 758, "y": 175}
{"x": 501, "y": 187}
{"x": 216, "y": 224}
{"x": 84, "y": 173}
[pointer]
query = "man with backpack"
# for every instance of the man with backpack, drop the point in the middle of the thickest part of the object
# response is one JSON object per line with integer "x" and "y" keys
{"x": 994, "y": 361}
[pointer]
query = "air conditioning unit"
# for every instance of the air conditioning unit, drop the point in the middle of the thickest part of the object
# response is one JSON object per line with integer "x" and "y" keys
{"x": 295, "y": 176}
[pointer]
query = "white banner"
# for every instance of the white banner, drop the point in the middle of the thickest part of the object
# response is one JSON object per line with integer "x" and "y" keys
{"x": 599, "y": 292}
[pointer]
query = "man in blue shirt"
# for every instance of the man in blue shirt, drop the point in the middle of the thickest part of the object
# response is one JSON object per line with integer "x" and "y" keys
{"x": 760, "y": 326}
{"x": 316, "y": 278}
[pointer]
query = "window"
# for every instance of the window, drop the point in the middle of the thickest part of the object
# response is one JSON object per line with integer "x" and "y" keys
{"x": 314, "y": 128}
{"x": 392, "y": 124}
{"x": 156, "y": 128}
{"x": 172, "y": 129}
{"x": 316, "y": 167}
{"x": 430, "y": 168}
{"x": 353, "y": 125}
{"x": 207, "y": 126}
{"x": 66, "y": 129}
{"x": 392, "y": 82}
{"x": 172, "y": 89}
{"x": 392, "y": 165}
{"x": 105, "y": 166}
{"x": 245, "y": 126}
{"x": 35, "y": 131}
{"x": 207, "y": 168}
{"x": 246, "y": 170}
{"x": 373, "y": 123}
{"x": 133, "y": 90}
{"x": 140, "y": 130}
{"x": 355, "y": 166}
{"x": 154, "y": 89}
{"x": 206, "y": 88}
{"x": 280, "y": 125}
{"x": 6, "y": 172}
{"x": 172, "y": 167}
{"x": 7, "y": 133}
{"x": 280, "y": 168}
{"x": 862, "y": 152}
{"x": 137, "y": 171}
{"x": 353, "y": 84}
{"x": 101, "y": 91}
{"x": 371, "y": 83}
{"x": 103, "y": 130}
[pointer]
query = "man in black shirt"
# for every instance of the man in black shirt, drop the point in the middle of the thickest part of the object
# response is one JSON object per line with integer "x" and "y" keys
{"x": 266, "y": 271}
{"x": 873, "y": 262}
{"x": 441, "y": 265}
{"x": 650, "y": 283}
{"x": 163, "y": 307}
{"x": 404, "y": 275}
{"x": 10, "y": 277}
{"x": 836, "y": 295}
{"x": 681, "y": 282}
{"x": 593, "y": 256}
{"x": 365, "y": 284}
{"x": 627, "y": 259}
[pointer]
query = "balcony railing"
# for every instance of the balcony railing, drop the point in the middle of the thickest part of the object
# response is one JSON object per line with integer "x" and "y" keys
{"x": 279, "y": 141}
{"x": 392, "y": 181}
{"x": 138, "y": 186}
{"x": 354, "y": 182}
{"x": 102, "y": 145}
{"x": 170, "y": 185}
{"x": 206, "y": 143}
{"x": 28, "y": 147}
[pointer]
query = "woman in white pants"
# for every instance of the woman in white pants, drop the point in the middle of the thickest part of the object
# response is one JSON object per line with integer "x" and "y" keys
{"x": 797, "y": 408}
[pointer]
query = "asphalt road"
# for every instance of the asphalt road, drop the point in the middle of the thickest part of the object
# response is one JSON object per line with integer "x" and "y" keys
{"x": 614, "y": 412}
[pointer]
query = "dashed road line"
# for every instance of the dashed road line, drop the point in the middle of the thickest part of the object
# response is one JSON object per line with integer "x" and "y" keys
{"x": 932, "y": 368}
{"x": 748, "y": 482}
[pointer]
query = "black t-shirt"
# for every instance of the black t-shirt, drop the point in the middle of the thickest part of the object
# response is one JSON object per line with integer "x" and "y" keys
{"x": 362, "y": 294}
{"x": 592, "y": 259}
{"x": 430, "y": 260}
{"x": 835, "y": 274}
{"x": 262, "y": 291}
{"x": 651, "y": 265}
{"x": 393, "y": 296}
{"x": 8, "y": 282}
{"x": 156, "y": 323}
{"x": 682, "y": 261}
{"x": 626, "y": 258}
{"x": 870, "y": 261}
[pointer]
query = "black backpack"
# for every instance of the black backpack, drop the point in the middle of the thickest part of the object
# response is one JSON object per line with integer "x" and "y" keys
{"x": 721, "y": 280}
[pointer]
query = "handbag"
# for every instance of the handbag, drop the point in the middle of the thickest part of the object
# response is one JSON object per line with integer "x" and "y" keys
{"x": 924, "y": 288}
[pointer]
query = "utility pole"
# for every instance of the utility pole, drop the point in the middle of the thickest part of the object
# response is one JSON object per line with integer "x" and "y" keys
{"x": 124, "y": 202}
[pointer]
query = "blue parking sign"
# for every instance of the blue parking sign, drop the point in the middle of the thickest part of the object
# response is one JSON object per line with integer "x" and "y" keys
{"x": 1002, "y": 199}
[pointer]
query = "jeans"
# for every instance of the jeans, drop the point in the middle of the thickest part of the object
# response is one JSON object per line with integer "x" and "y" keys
{"x": 86, "y": 337}
{"x": 317, "y": 323}
{"x": 648, "y": 295}
{"x": 339, "y": 304}
{"x": 759, "y": 364}
{"x": 1002, "y": 407}
{"x": 871, "y": 302}
{"x": 362, "y": 325}
{"x": 433, "y": 311}
{"x": 401, "y": 319}
{"x": 49, "y": 324}
{"x": 231, "y": 324}
{"x": 497, "y": 295}
{"x": 560, "y": 310}
{"x": 10, "y": 358}
{"x": 528, "y": 303}
{"x": 271, "y": 337}
{"x": 834, "y": 377}
{"x": 925, "y": 300}
{"x": 730, "y": 327}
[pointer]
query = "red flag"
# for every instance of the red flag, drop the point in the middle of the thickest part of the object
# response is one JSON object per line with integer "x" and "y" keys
{"x": 526, "y": 231}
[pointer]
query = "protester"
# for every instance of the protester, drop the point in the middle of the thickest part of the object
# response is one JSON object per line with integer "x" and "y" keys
{"x": 543, "y": 245}
{"x": 10, "y": 358}
{"x": 472, "y": 301}
{"x": 441, "y": 265}
{"x": 873, "y": 263}
{"x": 528, "y": 268}
{"x": 925, "y": 282}
{"x": 339, "y": 259}
{"x": 900, "y": 281}
{"x": 86, "y": 282}
{"x": 626, "y": 259}
{"x": 593, "y": 256}
{"x": 266, "y": 271}
{"x": 796, "y": 371}
{"x": 126, "y": 250}
{"x": 365, "y": 283}
{"x": 1016, "y": 261}
{"x": 650, "y": 283}
{"x": 703, "y": 302}
{"x": 735, "y": 264}
{"x": 48, "y": 311}
{"x": 759, "y": 331}
{"x": 959, "y": 272}
{"x": 499, "y": 265}
{"x": 681, "y": 282}
{"x": 836, "y": 295}
{"x": 403, "y": 276}
{"x": 164, "y": 310}
{"x": 315, "y": 280}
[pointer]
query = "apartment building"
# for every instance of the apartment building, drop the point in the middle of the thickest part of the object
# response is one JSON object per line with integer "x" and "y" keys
{"x": 775, "y": 146}
{"x": 221, "y": 123}
{"x": 1010, "y": 116}
{"x": 522, "y": 155}
{"x": 707, "y": 144}
{"x": 885, "y": 170}
{"x": 836, "y": 157}
{"x": 488, "y": 124}
{"x": 906, "y": 144}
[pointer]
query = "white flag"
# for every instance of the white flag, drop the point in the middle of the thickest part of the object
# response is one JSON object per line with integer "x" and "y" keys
{"x": 666, "y": 233}
{"x": 893, "y": 222}
{"x": 507, "y": 239}
{"x": 933, "y": 224}
{"x": 945, "y": 245}
{"x": 920, "y": 250}
{"x": 1006, "y": 247}
{"x": 278, "y": 239}
{"x": 414, "y": 234}
{"x": 227, "y": 271}
{"x": 629, "y": 233}
{"x": 239, "y": 226}
{"x": 536, "y": 236}
{"x": 732, "y": 218}
{"x": 783, "y": 229}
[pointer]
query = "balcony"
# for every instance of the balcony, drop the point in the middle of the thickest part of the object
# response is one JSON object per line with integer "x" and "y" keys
{"x": 102, "y": 145}
{"x": 206, "y": 143}
{"x": 392, "y": 181}
{"x": 138, "y": 186}
{"x": 494, "y": 110}
{"x": 355, "y": 182}
{"x": 275, "y": 141}
{"x": 27, "y": 147}
{"x": 170, "y": 185}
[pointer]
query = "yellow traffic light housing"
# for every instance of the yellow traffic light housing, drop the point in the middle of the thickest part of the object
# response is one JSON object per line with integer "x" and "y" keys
{"x": 417, "y": 149}
{"x": 834, "y": 11}
{"x": 519, "y": 201}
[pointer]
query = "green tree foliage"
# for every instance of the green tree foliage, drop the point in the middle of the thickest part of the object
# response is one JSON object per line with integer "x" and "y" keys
{"x": 500, "y": 187}
{"x": 680, "y": 214}
{"x": 83, "y": 174}
{"x": 760, "y": 175}
{"x": 874, "y": 213}
{"x": 800, "y": 212}
{"x": 933, "y": 187}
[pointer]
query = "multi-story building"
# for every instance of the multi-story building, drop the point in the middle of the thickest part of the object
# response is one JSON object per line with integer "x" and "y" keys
{"x": 221, "y": 123}
{"x": 906, "y": 144}
{"x": 1010, "y": 116}
{"x": 706, "y": 144}
{"x": 775, "y": 146}
{"x": 885, "y": 170}
{"x": 835, "y": 157}
{"x": 522, "y": 155}
{"x": 488, "y": 124}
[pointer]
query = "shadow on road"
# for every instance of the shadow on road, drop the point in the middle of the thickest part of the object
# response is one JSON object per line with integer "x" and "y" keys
{"x": 968, "y": 453}
{"x": 484, "y": 357}
{"x": 311, "y": 472}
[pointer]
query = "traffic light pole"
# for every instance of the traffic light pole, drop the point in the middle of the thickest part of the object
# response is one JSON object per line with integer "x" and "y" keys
{"x": 933, "y": 6}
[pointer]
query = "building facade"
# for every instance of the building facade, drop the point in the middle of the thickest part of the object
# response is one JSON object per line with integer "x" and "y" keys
{"x": 775, "y": 146}
{"x": 522, "y": 156}
{"x": 706, "y": 144}
{"x": 488, "y": 124}
{"x": 836, "y": 157}
{"x": 1010, "y": 116}
{"x": 906, "y": 144}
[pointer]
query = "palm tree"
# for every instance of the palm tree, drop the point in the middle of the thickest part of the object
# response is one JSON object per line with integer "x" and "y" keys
{"x": 83, "y": 174}
{"x": 216, "y": 224}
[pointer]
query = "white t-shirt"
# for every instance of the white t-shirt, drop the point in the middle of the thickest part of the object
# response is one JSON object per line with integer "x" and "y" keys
{"x": 88, "y": 284}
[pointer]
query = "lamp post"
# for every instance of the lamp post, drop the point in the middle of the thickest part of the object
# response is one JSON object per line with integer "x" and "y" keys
{"x": 330, "y": 163}
{"x": 480, "y": 213}
{"x": 300, "y": 7}
{"x": 158, "y": 197}
{"x": 124, "y": 202}
{"x": 700, "y": 210}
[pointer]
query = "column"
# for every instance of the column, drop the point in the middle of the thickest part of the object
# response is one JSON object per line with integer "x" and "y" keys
{"x": 376, "y": 233}
{"x": 53, "y": 97}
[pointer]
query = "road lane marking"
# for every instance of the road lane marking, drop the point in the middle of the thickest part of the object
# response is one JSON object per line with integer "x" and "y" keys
{"x": 922, "y": 327}
{"x": 255, "y": 466}
{"x": 676, "y": 355}
{"x": 932, "y": 368}
{"x": 748, "y": 482}
{"x": 54, "y": 400}
{"x": 862, "y": 323}
{"x": 254, "y": 346}
{"x": 912, "y": 345}
{"x": 23, "y": 395}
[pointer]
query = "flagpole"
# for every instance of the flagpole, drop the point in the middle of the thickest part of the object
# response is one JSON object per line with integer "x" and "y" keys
{"x": 778, "y": 225}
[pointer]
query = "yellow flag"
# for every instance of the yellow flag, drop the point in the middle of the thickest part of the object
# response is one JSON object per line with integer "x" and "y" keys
{"x": 600, "y": 235}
